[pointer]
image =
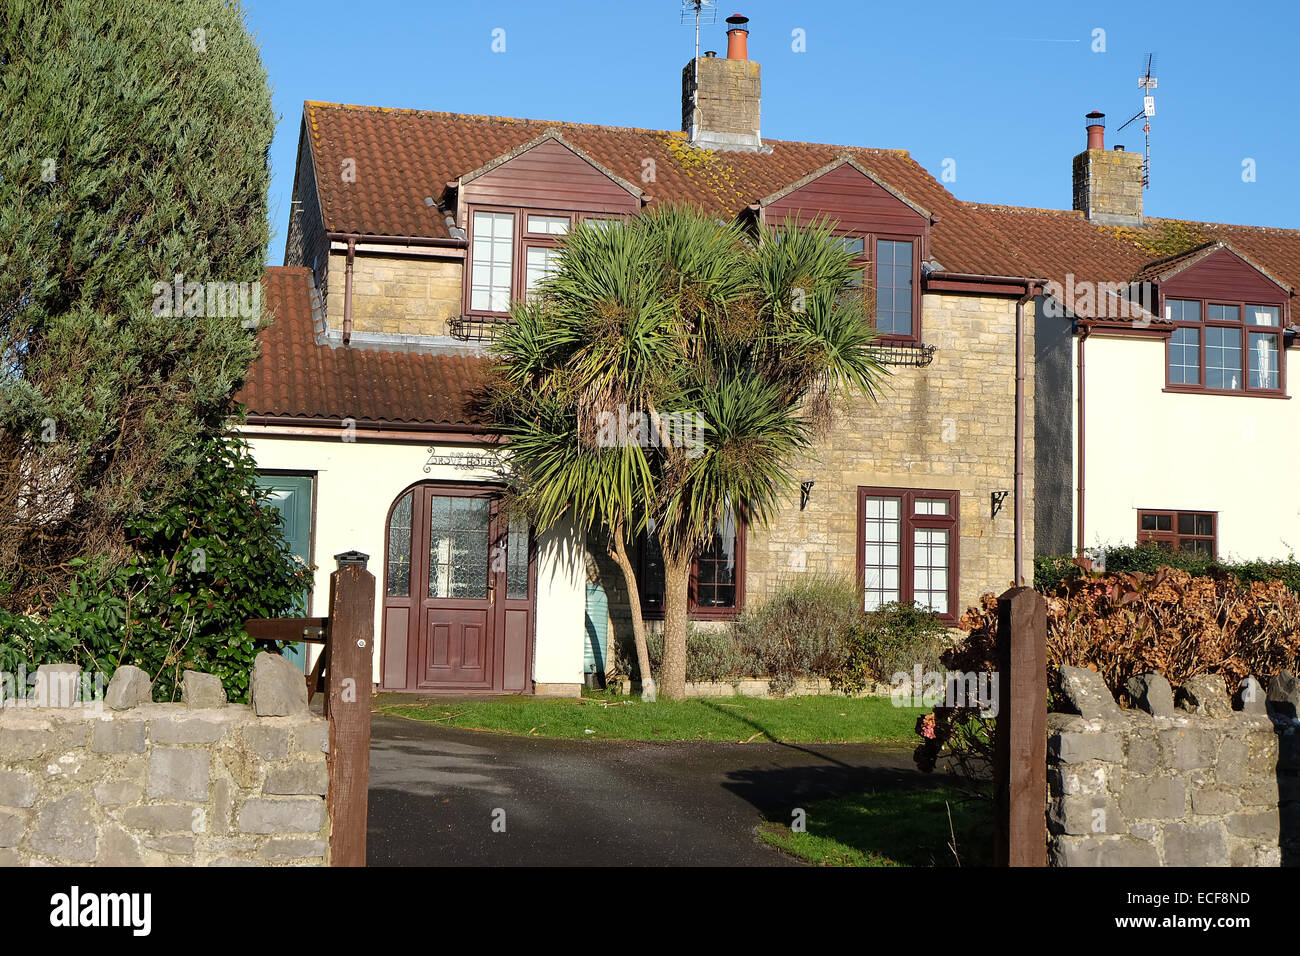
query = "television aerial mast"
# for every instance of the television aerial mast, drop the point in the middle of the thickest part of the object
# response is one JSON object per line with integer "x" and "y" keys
{"x": 1146, "y": 83}
{"x": 699, "y": 12}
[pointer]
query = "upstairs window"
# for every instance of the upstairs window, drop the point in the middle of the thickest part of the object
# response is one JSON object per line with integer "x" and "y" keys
{"x": 1224, "y": 347}
{"x": 890, "y": 264}
{"x": 492, "y": 258}
{"x": 894, "y": 288}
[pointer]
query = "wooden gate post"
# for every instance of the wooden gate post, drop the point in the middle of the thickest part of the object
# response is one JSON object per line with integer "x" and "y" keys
{"x": 347, "y": 705}
{"x": 1020, "y": 747}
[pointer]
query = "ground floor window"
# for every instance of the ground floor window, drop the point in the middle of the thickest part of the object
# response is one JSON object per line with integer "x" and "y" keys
{"x": 1180, "y": 530}
{"x": 907, "y": 548}
{"x": 717, "y": 585}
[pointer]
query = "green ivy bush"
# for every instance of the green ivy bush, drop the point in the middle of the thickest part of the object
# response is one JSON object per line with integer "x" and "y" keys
{"x": 197, "y": 570}
{"x": 1053, "y": 570}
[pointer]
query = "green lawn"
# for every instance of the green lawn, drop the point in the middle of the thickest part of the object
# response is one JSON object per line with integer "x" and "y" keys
{"x": 892, "y": 828}
{"x": 607, "y": 716}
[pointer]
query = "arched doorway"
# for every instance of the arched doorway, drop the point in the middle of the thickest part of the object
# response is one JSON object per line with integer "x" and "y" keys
{"x": 458, "y": 593}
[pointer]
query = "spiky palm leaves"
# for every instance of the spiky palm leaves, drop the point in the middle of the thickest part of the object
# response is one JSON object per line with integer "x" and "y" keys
{"x": 677, "y": 314}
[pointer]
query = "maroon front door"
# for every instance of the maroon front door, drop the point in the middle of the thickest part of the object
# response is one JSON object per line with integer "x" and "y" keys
{"x": 458, "y": 605}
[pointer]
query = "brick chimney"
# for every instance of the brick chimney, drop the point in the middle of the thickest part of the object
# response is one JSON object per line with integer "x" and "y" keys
{"x": 720, "y": 97}
{"x": 1107, "y": 185}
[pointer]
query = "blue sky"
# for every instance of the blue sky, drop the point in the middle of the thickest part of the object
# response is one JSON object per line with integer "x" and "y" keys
{"x": 1000, "y": 88}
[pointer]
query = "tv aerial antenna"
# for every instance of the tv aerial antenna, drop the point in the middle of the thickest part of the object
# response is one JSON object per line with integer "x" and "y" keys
{"x": 699, "y": 12}
{"x": 1146, "y": 83}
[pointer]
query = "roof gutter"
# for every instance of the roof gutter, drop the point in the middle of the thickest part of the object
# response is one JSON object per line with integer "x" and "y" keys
{"x": 398, "y": 240}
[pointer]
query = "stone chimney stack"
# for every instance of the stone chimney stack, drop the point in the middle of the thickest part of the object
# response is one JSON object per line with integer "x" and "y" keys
{"x": 1107, "y": 185}
{"x": 720, "y": 97}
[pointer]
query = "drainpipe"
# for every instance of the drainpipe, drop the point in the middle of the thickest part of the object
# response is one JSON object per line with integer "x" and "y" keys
{"x": 347, "y": 293}
{"x": 1018, "y": 522}
{"x": 1082, "y": 445}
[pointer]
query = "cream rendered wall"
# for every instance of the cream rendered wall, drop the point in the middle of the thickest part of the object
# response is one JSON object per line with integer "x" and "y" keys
{"x": 357, "y": 482}
{"x": 1147, "y": 448}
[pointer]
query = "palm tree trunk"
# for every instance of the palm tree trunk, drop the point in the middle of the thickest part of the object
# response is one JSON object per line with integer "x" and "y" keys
{"x": 618, "y": 551}
{"x": 677, "y": 576}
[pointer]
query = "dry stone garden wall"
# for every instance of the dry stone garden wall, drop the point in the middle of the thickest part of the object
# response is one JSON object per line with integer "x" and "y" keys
{"x": 1197, "y": 780}
{"x": 128, "y": 782}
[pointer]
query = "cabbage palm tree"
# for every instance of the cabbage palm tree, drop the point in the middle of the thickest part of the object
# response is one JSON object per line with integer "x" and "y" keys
{"x": 685, "y": 319}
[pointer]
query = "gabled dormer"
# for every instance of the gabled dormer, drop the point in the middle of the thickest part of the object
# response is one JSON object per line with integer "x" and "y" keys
{"x": 888, "y": 234}
{"x": 516, "y": 211}
{"x": 1231, "y": 321}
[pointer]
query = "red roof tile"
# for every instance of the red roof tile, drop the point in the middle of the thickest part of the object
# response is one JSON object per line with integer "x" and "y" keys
{"x": 296, "y": 378}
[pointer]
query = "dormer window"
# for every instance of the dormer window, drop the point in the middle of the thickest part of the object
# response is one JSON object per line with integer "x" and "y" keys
{"x": 501, "y": 240}
{"x": 1225, "y": 347}
{"x": 892, "y": 264}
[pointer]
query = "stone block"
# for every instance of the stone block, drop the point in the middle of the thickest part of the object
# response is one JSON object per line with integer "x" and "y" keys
{"x": 1189, "y": 844}
{"x": 1084, "y": 814}
{"x": 1250, "y": 697}
{"x": 289, "y": 815}
{"x": 13, "y": 824}
{"x": 271, "y": 741}
{"x": 1283, "y": 695}
{"x": 176, "y": 774}
{"x": 277, "y": 688}
{"x": 1152, "y": 693}
{"x": 25, "y": 743}
{"x": 1260, "y": 826}
{"x": 118, "y": 736}
{"x": 1082, "y": 747}
{"x": 1153, "y": 798}
{"x": 160, "y": 817}
{"x": 17, "y": 789}
{"x": 1188, "y": 748}
{"x": 118, "y": 791}
{"x": 66, "y": 829}
{"x": 292, "y": 849}
{"x": 183, "y": 728}
{"x": 1205, "y": 694}
{"x": 1087, "y": 693}
{"x": 298, "y": 777}
{"x": 129, "y": 688}
{"x": 202, "y": 690}
{"x": 1214, "y": 802}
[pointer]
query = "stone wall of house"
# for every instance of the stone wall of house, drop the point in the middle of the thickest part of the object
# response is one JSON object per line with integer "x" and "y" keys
{"x": 1195, "y": 783}
{"x": 949, "y": 426}
{"x": 127, "y": 782}
{"x": 397, "y": 294}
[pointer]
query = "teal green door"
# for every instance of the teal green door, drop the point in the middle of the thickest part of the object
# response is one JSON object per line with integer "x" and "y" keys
{"x": 291, "y": 496}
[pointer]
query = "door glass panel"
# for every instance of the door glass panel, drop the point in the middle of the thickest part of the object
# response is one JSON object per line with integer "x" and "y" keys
{"x": 458, "y": 547}
{"x": 399, "y": 549}
{"x": 517, "y": 561}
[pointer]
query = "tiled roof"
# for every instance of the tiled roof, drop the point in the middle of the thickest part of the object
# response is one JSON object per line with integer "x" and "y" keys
{"x": 405, "y": 156}
{"x": 296, "y": 378}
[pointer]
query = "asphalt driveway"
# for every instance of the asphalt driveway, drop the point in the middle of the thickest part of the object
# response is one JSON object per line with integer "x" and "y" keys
{"x": 436, "y": 791}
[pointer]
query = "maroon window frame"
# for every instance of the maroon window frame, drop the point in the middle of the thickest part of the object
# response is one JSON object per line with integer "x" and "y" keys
{"x": 650, "y": 577}
{"x": 910, "y": 521}
{"x": 1246, "y": 329}
{"x": 866, "y": 261}
{"x": 518, "y": 255}
{"x": 1180, "y": 530}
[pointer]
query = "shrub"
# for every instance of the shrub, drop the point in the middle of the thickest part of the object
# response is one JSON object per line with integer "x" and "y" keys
{"x": 1124, "y": 624}
{"x": 896, "y": 637}
{"x": 803, "y": 630}
{"x": 711, "y": 654}
{"x": 197, "y": 570}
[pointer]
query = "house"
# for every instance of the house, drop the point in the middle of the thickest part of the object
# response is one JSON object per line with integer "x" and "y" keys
{"x": 1163, "y": 362}
{"x": 412, "y": 231}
